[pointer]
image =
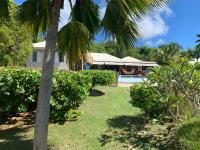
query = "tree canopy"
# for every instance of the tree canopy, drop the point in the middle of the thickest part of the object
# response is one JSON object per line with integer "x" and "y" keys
{"x": 160, "y": 54}
{"x": 15, "y": 40}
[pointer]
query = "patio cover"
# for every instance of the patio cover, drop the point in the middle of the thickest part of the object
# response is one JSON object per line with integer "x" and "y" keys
{"x": 103, "y": 58}
{"x": 130, "y": 61}
{"x": 39, "y": 44}
{"x": 107, "y": 59}
{"x": 136, "y": 62}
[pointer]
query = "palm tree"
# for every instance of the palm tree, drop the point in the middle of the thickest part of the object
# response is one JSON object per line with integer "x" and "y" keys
{"x": 168, "y": 52}
{"x": 4, "y": 9}
{"x": 197, "y": 48}
{"x": 198, "y": 41}
{"x": 119, "y": 22}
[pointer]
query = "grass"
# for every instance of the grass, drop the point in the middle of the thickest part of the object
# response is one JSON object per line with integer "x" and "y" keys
{"x": 188, "y": 134}
{"x": 105, "y": 123}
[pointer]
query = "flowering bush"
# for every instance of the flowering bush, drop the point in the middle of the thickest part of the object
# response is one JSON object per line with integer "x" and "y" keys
{"x": 177, "y": 85}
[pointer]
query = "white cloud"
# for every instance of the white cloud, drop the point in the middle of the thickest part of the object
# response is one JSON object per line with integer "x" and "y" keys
{"x": 153, "y": 24}
{"x": 166, "y": 10}
{"x": 159, "y": 42}
{"x": 65, "y": 14}
{"x": 151, "y": 43}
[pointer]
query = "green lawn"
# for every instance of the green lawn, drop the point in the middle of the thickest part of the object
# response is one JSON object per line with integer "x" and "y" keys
{"x": 105, "y": 123}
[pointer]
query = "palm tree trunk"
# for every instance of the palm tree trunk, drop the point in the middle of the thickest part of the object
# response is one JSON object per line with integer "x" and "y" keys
{"x": 43, "y": 104}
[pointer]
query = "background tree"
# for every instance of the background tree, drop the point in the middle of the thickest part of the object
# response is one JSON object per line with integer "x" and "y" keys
{"x": 15, "y": 40}
{"x": 147, "y": 53}
{"x": 97, "y": 47}
{"x": 120, "y": 22}
{"x": 197, "y": 48}
{"x": 110, "y": 47}
{"x": 189, "y": 54}
{"x": 167, "y": 52}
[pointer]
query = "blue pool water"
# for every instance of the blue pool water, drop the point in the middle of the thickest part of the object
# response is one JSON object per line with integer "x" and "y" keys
{"x": 130, "y": 79}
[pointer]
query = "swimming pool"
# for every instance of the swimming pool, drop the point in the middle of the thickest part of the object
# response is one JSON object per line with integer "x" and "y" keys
{"x": 130, "y": 79}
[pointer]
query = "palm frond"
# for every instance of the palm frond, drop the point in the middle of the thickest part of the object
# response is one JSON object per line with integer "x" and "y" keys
{"x": 4, "y": 9}
{"x": 121, "y": 17}
{"x": 86, "y": 12}
{"x": 117, "y": 23}
{"x": 73, "y": 40}
{"x": 198, "y": 35}
{"x": 35, "y": 13}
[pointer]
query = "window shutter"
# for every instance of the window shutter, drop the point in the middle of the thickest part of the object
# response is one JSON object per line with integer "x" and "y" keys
{"x": 34, "y": 57}
{"x": 61, "y": 57}
{"x": 39, "y": 57}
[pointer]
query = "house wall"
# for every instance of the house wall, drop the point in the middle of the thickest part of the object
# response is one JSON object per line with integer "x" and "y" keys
{"x": 40, "y": 53}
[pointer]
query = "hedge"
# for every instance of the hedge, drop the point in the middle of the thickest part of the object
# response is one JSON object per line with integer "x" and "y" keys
{"x": 148, "y": 99}
{"x": 101, "y": 77}
{"x": 19, "y": 91}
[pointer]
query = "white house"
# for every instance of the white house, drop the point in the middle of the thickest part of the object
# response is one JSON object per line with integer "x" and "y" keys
{"x": 36, "y": 58}
{"x": 94, "y": 60}
{"x": 192, "y": 62}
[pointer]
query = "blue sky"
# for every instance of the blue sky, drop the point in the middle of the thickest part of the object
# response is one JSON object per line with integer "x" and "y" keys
{"x": 177, "y": 22}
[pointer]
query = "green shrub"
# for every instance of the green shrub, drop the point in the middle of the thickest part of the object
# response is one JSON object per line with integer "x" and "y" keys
{"x": 69, "y": 91}
{"x": 175, "y": 87}
{"x": 101, "y": 77}
{"x": 19, "y": 91}
{"x": 188, "y": 134}
{"x": 148, "y": 99}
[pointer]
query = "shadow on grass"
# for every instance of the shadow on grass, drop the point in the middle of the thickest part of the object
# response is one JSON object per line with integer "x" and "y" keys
{"x": 95, "y": 92}
{"x": 133, "y": 132}
{"x": 120, "y": 129}
{"x": 27, "y": 118}
{"x": 13, "y": 131}
{"x": 13, "y": 139}
{"x": 188, "y": 134}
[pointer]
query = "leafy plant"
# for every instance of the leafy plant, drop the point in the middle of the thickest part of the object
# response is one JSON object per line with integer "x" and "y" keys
{"x": 180, "y": 81}
{"x": 176, "y": 84}
{"x": 69, "y": 91}
{"x": 19, "y": 91}
{"x": 148, "y": 99}
{"x": 101, "y": 78}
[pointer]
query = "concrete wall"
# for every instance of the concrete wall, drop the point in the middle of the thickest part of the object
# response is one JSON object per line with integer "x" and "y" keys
{"x": 40, "y": 53}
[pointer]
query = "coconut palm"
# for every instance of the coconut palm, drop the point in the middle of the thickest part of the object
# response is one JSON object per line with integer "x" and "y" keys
{"x": 197, "y": 48}
{"x": 119, "y": 22}
{"x": 198, "y": 41}
{"x": 4, "y": 9}
{"x": 167, "y": 52}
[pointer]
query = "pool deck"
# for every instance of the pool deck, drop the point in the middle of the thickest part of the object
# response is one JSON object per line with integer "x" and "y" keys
{"x": 120, "y": 84}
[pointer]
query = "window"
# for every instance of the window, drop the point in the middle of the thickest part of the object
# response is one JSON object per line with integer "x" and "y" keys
{"x": 39, "y": 56}
{"x": 34, "y": 57}
{"x": 61, "y": 57}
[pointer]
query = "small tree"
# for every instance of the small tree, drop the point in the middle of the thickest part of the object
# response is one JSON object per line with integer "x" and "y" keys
{"x": 180, "y": 81}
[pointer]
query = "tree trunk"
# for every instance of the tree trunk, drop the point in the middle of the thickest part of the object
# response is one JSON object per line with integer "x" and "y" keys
{"x": 43, "y": 103}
